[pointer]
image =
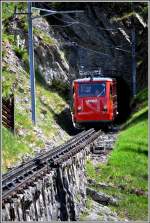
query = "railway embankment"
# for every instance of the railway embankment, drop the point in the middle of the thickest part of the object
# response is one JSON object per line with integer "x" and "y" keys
{"x": 52, "y": 186}
{"x": 123, "y": 173}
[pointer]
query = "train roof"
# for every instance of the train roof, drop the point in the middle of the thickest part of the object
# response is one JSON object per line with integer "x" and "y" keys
{"x": 94, "y": 79}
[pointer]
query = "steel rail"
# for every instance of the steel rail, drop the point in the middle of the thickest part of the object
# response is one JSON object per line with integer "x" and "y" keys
{"x": 55, "y": 157}
{"x": 26, "y": 164}
{"x": 35, "y": 161}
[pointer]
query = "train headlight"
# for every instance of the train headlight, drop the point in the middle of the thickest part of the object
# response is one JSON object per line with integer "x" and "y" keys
{"x": 105, "y": 108}
{"x": 79, "y": 108}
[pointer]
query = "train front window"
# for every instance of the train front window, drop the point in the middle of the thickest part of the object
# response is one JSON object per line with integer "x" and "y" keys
{"x": 92, "y": 90}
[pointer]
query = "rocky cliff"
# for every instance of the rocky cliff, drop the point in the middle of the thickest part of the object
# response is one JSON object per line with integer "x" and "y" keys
{"x": 100, "y": 38}
{"x": 97, "y": 39}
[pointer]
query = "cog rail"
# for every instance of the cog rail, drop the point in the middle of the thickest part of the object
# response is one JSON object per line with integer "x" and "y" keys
{"x": 25, "y": 174}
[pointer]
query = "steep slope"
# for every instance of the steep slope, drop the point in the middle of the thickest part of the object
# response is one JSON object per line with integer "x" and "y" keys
{"x": 48, "y": 132}
{"x": 103, "y": 36}
{"x": 126, "y": 172}
{"x": 58, "y": 60}
{"x": 99, "y": 39}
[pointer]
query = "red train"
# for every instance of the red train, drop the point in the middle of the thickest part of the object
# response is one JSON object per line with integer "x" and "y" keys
{"x": 94, "y": 100}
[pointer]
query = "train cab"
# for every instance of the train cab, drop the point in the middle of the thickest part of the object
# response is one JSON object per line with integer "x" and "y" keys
{"x": 94, "y": 101}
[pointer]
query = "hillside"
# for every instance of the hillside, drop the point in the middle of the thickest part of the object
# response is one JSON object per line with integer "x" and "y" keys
{"x": 103, "y": 35}
{"x": 51, "y": 101}
{"x": 65, "y": 47}
{"x": 126, "y": 172}
{"x": 57, "y": 62}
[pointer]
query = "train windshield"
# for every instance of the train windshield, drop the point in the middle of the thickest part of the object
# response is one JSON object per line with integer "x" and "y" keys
{"x": 92, "y": 90}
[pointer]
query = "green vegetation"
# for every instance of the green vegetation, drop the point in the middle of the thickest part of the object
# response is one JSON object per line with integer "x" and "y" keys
{"x": 49, "y": 106}
{"x": 89, "y": 205}
{"x": 49, "y": 103}
{"x": 62, "y": 88}
{"x": 23, "y": 23}
{"x": 13, "y": 148}
{"x": 126, "y": 16}
{"x": 46, "y": 39}
{"x": 22, "y": 54}
{"x": 90, "y": 169}
{"x": 141, "y": 100}
{"x": 7, "y": 81}
{"x": 127, "y": 167}
{"x": 6, "y": 37}
{"x": 9, "y": 77}
{"x": 8, "y": 8}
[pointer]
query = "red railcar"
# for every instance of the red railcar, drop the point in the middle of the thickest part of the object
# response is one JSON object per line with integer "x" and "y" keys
{"x": 94, "y": 100}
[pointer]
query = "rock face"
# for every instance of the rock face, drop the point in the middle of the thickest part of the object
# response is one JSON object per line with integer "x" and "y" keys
{"x": 49, "y": 58}
{"x": 100, "y": 38}
{"x": 101, "y": 197}
{"x": 50, "y": 62}
{"x": 58, "y": 195}
{"x": 97, "y": 41}
{"x": 102, "y": 213}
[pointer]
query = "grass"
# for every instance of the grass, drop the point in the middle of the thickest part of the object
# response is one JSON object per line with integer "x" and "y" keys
{"x": 62, "y": 88}
{"x": 47, "y": 112}
{"x": 46, "y": 39}
{"x": 22, "y": 119}
{"x": 13, "y": 148}
{"x": 89, "y": 205}
{"x": 8, "y": 8}
{"x": 141, "y": 100}
{"x": 127, "y": 166}
{"x": 125, "y": 16}
{"x": 51, "y": 104}
{"x": 23, "y": 55}
{"x": 6, "y": 37}
{"x": 8, "y": 80}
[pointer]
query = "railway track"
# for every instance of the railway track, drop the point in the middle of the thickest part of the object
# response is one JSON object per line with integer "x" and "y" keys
{"x": 25, "y": 174}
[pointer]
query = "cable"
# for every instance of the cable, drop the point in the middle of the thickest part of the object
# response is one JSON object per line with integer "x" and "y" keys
{"x": 78, "y": 22}
{"x": 117, "y": 29}
{"x": 66, "y": 21}
{"x": 115, "y": 48}
{"x": 81, "y": 23}
{"x": 98, "y": 52}
{"x": 122, "y": 50}
{"x": 108, "y": 45}
{"x": 64, "y": 25}
{"x": 87, "y": 25}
